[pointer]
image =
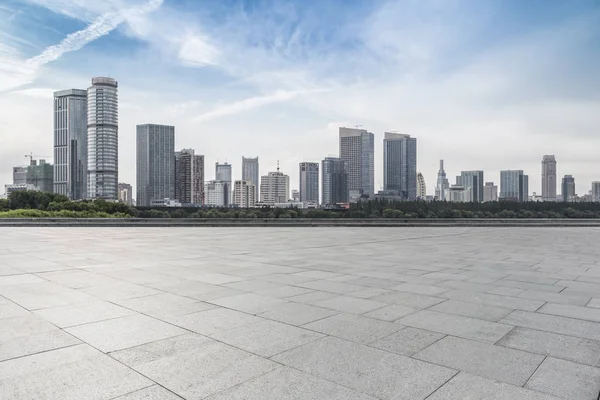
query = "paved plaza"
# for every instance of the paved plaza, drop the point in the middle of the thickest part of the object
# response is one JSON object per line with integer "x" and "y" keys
{"x": 300, "y": 313}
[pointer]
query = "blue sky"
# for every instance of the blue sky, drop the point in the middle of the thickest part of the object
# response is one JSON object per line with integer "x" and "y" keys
{"x": 483, "y": 84}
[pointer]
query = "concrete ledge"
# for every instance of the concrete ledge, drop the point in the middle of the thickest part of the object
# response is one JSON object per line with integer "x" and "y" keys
{"x": 299, "y": 222}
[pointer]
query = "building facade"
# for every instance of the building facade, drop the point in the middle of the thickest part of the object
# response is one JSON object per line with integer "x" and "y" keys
{"x": 70, "y": 143}
{"x": 155, "y": 163}
{"x": 490, "y": 192}
{"x": 19, "y": 187}
{"x": 549, "y": 178}
{"x": 357, "y": 149}
{"x": 189, "y": 177}
{"x": 223, "y": 174}
{"x": 514, "y": 185}
{"x": 421, "y": 188}
{"x": 19, "y": 175}
{"x": 334, "y": 182}
{"x": 41, "y": 175}
{"x": 595, "y": 193}
{"x": 244, "y": 194}
{"x": 309, "y": 182}
{"x": 568, "y": 189}
{"x": 441, "y": 188}
{"x": 274, "y": 188}
{"x": 125, "y": 193}
{"x": 217, "y": 193}
{"x": 250, "y": 172}
{"x": 457, "y": 194}
{"x": 400, "y": 165}
{"x": 472, "y": 182}
{"x": 103, "y": 139}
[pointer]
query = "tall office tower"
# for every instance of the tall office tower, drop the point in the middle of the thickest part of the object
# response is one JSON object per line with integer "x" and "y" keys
{"x": 243, "y": 194}
{"x": 217, "y": 193}
{"x": 250, "y": 172}
{"x": 40, "y": 174}
{"x": 400, "y": 165}
{"x": 125, "y": 193}
{"x": 357, "y": 148}
{"x": 595, "y": 191}
{"x": 490, "y": 192}
{"x": 155, "y": 163}
{"x": 274, "y": 187}
{"x": 223, "y": 174}
{"x": 514, "y": 186}
{"x": 71, "y": 143}
{"x": 19, "y": 175}
{"x": 421, "y": 188}
{"x": 472, "y": 181}
{"x": 295, "y": 195}
{"x": 549, "y": 178}
{"x": 309, "y": 182}
{"x": 103, "y": 139}
{"x": 441, "y": 189}
{"x": 568, "y": 188}
{"x": 334, "y": 182}
{"x": 189, "y": 177}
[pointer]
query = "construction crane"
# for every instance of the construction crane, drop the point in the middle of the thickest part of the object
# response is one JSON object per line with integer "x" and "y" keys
{"x": 31, "y": 155}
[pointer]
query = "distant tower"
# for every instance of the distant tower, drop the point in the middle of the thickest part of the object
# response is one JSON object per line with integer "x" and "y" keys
{"x": 549, "y": 178}
{"x": 334, "y": 184}
{"x": 568, "y": 188}
{"x": 441, "y": 189}
{"x": 421, "y": 189}
{"x": 309, "y": 182}
{"x": 250, "y": 172}
{"x": 400, "y": 165}
{"x": 155, "y": 163}
{"x": 357, "y": 149}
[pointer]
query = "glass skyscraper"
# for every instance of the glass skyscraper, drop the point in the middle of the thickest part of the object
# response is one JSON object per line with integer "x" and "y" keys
{"x": 250, "y": 173}
{"x": 514, "y": 185}
{"x": 400, "y": 165}
{"x": 155, "y": 163}
{"x": 472, "y": 181}
{"x": 309, "y": 182}
{"x": 357, "y": 149}
{"x": 334, "y": 183}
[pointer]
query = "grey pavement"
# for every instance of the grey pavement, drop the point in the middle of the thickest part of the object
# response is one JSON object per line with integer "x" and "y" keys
{"x": 300, "y": 313}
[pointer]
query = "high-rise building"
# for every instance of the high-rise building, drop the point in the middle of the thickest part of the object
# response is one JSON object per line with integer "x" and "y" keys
{"x": 274, "y": 187}
{"x": 595, "y": 191}
{"x": 334, "y": 181}
{"x": 250, "y": 172}
{"x": 357, "y": 149}
{"x": 223, "y": 174}
{"x": 125, "y": 193}
{"x": 457, "y": 194}
{"x": 400, "y": 165}
{"x": 189, "y": 177}
{"x": 568, "y": 188}
{"x": 217, "y": 193}
{"x": 295, "y": 195}
{"x": 41, "y": 175}
{"x": 19, "y": 175}
{"x": 549, "y": 178}
{"x": 514, "y": 185}
{"x": 243, "y": 194}
{"x": 103, "y": 139}
{"x": 441, "y": 189}
{"x": 309, "y": 182}
{"x": 421, "y": 188}
{"x": 155, "y": 163}
{"x": 71, "y": 143}
{"x": 490, "y": 192}
{"x": 472, "y": 181}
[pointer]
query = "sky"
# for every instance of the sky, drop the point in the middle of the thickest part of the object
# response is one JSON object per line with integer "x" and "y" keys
{"x": 490, "y": 85}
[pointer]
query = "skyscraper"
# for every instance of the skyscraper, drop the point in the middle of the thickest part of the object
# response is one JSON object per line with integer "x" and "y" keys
{"x": 274, "y": 188}
{"x": 441, "y": 189}
{"x": 357, "y": 149}
{"x": 514, "y": 185}
{"x": 223, "y": 174}
{"x": 250, "y": 172}
{"x": 596, "y": 191}
{"x": 125, "y": 193}
{"x": 549, "y": 178}
{"x": 155, "y": 163}
{"x": 40, "y": 175}
{"x": 103, "y": 139}
{"x": 19, "y": 175}
{"x": 568, "y": 188}
{"x": 421, "y": 188}
{"x": 490, "y": 192}
{"x": 400, "y": 165}
{"x": 217, "y": 193}
{"x": 309, "y": 182}
{"x": 71, "y": 143}
{"x": 472, "y": 181}
{"x": 189, "y": 177}
{"x": 243, "y": 194}
{"x": 334, "y": 181}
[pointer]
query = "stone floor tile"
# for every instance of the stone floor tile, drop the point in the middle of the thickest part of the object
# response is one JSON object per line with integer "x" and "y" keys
{"x": 31, "y": 343}
{"x": 407, "y": 341}
{"x": 349, "y": 304}
{"x": 566, "y": 380}
{"x": 354, "y": 327}
{"x": 119, "y": 290}
{"x": 213, "y": 321}
{"x": 283, "y": 292}
{"x": 250, "y": 303}
{"x": 164, "y": 305}
{"x": 419, "y": 289}
{"x": 551, "y": 323}
{"x": 478, "y": 311}
{"x": 419, "y": 301}
{"x": 569, "y": 311}
{"x": 84, "y": 313}
{"x": 391, "y": 313}
{"x": 331, "y": 286}
{"x": 154, "y": 392}
{"x": 297, "y": 313}
{"x": 494, "y": 300}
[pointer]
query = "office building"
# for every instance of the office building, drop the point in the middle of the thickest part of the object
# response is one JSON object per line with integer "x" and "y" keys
{"x": 125, "y": 193}
{"x": 223, "y": 174}
{"x": 274, "y": 188}
{"x": 568, "y": 188}
{"x": 19, "y": 187}
{"x": 70, "y": 143}
{"x": 309, "y": 182}
{"x": 441, "y": 188}
{"x": 155, "y": 163}
{"x": 217, "y": 193}
{"x": 189, "y": 177}
{"x": 41, "y": 175}
{"x": 357, "y": 149}
{"x": 19, "y": 175}
{"x": 514, "y": 186}
{"x": 472, "y": 182}
{"x": 549, "y": 178}
{"x": 595, "y": 192}
{"x": 490, "y": 192}
{"x": 244, "y": 194}
{"x": 250, "y": 172}
{"x": 421, "y": 188}
{"x": 334, "y": 181}
{"x": 400, "y": 165}
{"x": 103, "y": 139}
{"x": 457, "y": 194}
{"x": 295, "y": 195}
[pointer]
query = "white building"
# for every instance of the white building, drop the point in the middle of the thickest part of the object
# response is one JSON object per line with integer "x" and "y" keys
{"x": 164, "y": 203}
{"x": 244, "y": 194}
{"x": 19, "y": 187}
{"x": 490, "y": 192}
{"x": 421, "y": 188}
{"x": 457, "y": 194}
{"x": 274, "y": 188}
{"x": 216, "y": 193}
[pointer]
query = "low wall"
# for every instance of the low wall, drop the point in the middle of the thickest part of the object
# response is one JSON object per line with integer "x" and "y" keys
{"x": 299, "y": 222}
